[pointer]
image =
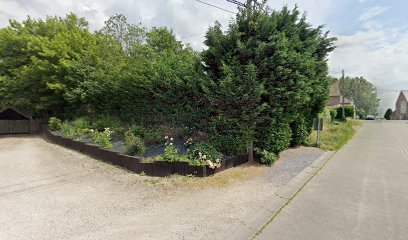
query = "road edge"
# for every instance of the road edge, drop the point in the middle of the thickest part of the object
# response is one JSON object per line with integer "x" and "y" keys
{"x": 253, "y": 224}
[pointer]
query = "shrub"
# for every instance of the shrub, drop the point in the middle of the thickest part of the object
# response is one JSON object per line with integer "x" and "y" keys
{"x": 134, "y": 144}
{"x": 276, "y": 138}
{"x": 80, "y": 123}
{"x": 348, "y": 111}
{"x": 231, "y": 143}
{"x": 171, "y": 153}
{"x": 54, "y": 124}
{"x": 67, "y": 130}
{"x": 203, "y": 151}
{"x": 388, "y": 114}
{"x": 101, "y": 138}
{"x": 101, "y": 122}
{"x": 153, "y": 136}
{"x": 137, "y": 130}
{"x": 266, "y": 157}
{"x": 300, "y": 131}
{"x": 80, "y": 127}
{"x": 361, "y": 113}
{"x": 326, "y": 115}
{"x": 333, "y": 114}
{"x": 105, "y": 121}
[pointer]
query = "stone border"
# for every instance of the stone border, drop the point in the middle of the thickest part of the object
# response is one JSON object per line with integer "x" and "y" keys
{"x": 135, "y": 164}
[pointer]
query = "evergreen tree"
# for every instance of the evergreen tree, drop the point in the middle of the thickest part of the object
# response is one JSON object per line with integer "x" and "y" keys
{"x": 290, "y": 61}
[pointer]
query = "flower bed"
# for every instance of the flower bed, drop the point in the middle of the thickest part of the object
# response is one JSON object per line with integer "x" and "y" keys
{"x": 135, "y": 164}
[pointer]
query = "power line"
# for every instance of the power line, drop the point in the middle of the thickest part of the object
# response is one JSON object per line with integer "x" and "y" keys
{"x": 237, "y": 3}
{"x": 192, "y": 35}
{"x": 215, "y": 6}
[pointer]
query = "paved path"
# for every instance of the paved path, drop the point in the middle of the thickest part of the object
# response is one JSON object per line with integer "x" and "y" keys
{"x": 361, "y": 193}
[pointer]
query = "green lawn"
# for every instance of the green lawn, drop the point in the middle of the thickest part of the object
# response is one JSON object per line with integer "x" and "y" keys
{"x": 335, "y": 135}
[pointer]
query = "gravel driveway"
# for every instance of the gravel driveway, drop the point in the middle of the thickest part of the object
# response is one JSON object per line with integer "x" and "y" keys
{"x": 49, "y": 192}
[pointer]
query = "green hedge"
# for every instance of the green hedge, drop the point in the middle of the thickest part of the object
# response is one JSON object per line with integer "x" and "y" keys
{"x": 348, "y": 110}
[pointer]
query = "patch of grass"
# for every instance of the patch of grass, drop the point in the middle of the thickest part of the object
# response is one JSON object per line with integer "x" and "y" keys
{"x": 223, "y": 179}
{"x": 153, "y": 181}
{"x": 335, "y": 135}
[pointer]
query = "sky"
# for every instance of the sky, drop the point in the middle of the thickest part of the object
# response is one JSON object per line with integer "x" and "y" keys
{"x": 372, "y": 34}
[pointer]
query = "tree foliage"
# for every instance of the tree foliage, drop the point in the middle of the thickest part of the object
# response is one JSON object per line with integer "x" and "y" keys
{"x": 388, "y": 114}
{"x": 263, "y": 80}
{"x": 37, "y": 57}
{"x": 288, "y": 58}
{"x": 363, "y": 93}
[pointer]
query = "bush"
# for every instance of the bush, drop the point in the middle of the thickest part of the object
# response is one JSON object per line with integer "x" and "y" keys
{"x": 232, "y": 142}
{"x": 300, "y": 131}
{"x": 333, "y": 114}
{"x": 54, "y": 124}
{"x": 388, "y": 114}
{"x": 348, "y": 111}
{"x": 153, "y": 136}
{"x": 134, "y": 144}
{"x": 361, "y": 113}
{"x": 101, "y": 138}
{"x": 171, "y": 153}
{"x": 266, "y": 157}
{"x": 203, "y": 151}
{"x": 67, "y": 130}
{"x": 101, "y": 122}
{"x": 136, "y": 130}
{"x": 326, "y": 115}
{"x": 105, "y": 121}
{"x": 277, "y": 138}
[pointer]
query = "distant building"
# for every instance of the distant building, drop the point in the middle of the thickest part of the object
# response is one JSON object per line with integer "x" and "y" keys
{"x": 336, "y": 98}
{"x": 401, "y": 106}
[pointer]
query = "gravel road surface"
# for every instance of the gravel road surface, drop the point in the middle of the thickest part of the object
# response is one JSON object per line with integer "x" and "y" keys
{"x": 49, "y": 192}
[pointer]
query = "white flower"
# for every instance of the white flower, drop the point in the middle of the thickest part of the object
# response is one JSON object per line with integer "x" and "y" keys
{"x": 204, "y": 156}
{"x": 166, "y": 137}
{"x": 171, "y": 144}
{"x": 200, "y": 154}
{"x": 171, "y": 139}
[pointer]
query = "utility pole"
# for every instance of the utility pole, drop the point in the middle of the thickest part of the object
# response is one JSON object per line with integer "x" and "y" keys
{"x": 342, "y": 95}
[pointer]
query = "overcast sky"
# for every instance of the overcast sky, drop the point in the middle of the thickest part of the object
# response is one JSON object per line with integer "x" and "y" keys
{"x": 373, "y": 34}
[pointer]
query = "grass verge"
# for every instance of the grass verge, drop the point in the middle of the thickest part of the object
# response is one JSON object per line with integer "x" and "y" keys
{"x": 335, "y": 135}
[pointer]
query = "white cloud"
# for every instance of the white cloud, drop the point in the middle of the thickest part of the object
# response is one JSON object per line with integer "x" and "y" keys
{"x": 372, "y": 12}
{"x": 379, "y": 55}
{"x": 186, "y": 17}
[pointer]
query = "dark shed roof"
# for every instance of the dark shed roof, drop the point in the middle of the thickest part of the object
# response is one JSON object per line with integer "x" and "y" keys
{"x": 12, "y": 114}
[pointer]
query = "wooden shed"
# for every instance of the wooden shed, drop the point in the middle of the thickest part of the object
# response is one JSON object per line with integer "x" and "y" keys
{"x": 14, "y": 122}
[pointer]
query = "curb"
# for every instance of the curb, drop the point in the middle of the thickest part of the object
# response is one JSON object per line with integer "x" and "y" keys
{"x": 252, "y": 225}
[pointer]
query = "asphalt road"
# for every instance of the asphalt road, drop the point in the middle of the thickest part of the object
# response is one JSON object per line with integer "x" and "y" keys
{"x": 361, "y": 193}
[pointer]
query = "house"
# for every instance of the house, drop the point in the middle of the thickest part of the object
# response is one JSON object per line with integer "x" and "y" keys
{"x": 336, "y": 98}
{"x": 401, "y": 106}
